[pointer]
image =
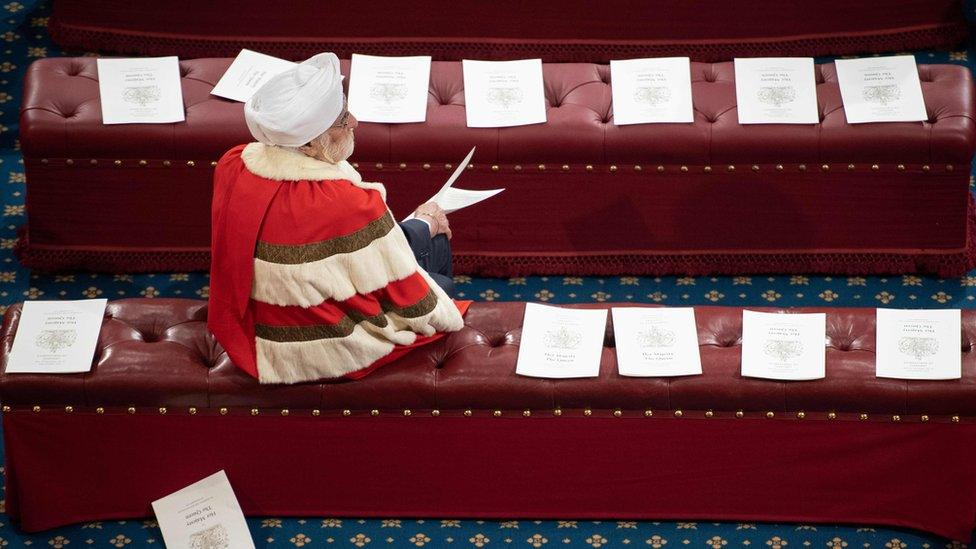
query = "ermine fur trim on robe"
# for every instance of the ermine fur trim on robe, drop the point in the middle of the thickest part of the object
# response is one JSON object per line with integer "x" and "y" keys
{"x": 288, "y": 164}
{"x": 338, "y": 277}
{"x": 298, "y": 361}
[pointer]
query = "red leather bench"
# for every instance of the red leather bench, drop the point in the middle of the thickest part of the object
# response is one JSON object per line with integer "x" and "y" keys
{"x": 584, "y": 196}
{"x": 507, "y": 29}
{"x": 450, "y": 430}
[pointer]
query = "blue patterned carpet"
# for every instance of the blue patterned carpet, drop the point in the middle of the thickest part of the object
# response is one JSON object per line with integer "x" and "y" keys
{"x": 23, "y": 38}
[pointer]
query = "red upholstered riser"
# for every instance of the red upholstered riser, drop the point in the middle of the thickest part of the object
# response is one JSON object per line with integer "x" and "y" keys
{"x": 555, "y": 221}
{"x": 72, "y": 467}
{"x": 511, "y": 29}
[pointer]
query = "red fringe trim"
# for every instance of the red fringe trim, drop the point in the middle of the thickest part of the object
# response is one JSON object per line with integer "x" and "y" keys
{"x": 943, "y": 36}
{"x": 945, "y": 265}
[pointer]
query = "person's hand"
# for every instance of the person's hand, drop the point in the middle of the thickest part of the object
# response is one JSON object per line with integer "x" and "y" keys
{"x": 435, "y": 216}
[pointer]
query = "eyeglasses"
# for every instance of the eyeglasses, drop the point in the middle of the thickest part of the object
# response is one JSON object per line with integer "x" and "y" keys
{"x": 343, "y": 121}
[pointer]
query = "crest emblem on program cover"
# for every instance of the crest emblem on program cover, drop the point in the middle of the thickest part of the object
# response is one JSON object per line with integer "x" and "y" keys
{"x": 563, "y": 338}
{"x": 655, "y": 336}
{"x": 388, "y": 92}
{"x": 918, "y": 347}
{"x": 55, "y": 340}
{"x": 777, "y": 96}
{"x": 882, "y": 94}
{"x": 141, "y": 95}
{"x": 504, "y": 97}
{"x": 652, "y": 95}
{"x": 214, "y": 537}
{"x": 783, "y": 350}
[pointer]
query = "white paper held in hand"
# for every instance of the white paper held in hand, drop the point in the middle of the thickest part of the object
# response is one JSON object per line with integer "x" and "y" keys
{"x": 143, "y": 90}
{"x": 204, "y": 514}
{"x": 561, "y": 343}
{"x": 451, "y": 199}
{"x": 500, "y": 94}
{"x": 247, "y": 73}
{"x": 389, "y": 89}
{"x": 784, "y": 346}
{"x": 56, "y": 337}
{"x": 776, "y": 90}
{"x": 656, "y": 341}
{"x": 881, "y": 89}
{"x": 651, "y": 90}
{"x": 919, "y": 344}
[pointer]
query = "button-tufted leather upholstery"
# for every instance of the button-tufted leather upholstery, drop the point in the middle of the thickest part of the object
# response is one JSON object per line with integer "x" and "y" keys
{"x": 157, "y": 352}
{"x": 450, "y": 430}
{"x": 706, "y": 179}
{"x": 61, "y": 117}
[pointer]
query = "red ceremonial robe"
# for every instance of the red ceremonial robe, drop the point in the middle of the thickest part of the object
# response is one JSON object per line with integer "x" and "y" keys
{"x": 310, "y": 276}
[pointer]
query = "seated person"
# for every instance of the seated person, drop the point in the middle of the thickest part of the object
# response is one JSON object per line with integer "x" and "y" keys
{"x": 311, "y": 277}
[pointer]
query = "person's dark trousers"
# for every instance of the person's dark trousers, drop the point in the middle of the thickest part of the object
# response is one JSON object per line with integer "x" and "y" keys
{"x": 433, "y": 254}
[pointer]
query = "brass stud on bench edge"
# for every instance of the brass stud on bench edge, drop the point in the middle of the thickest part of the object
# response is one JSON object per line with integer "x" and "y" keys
{"x": 850, "y": 166}
{"x": 831, "y": 415}
{"x": 131, "y": 409}
{"x": 316, "y": 412}
{"x": 347, "y": 412}
{"x": 497, "y": 413}
{"x": 143, "y": 163}
{"x": 648, "y": 413}
{"x": 99, "y": 410}
{"x": 407, "y": 413}
{"x": 255, "y": 411}
{"x": 6, "y": 408}
{"x": 374, "y": 412}
{"x": 802, "y": 167}
{"x": 435, "y": 413}
{"x": 770, "y": 415}
{"x": 617, "y": 413}
{"x": 955, "y": 419}
{"x": 223, "y": 411}
{"x": 191, "y": 163}
{"x": 895, "y": 418}
{"x": 69, "y": 162}
{"x": 36, "y": 409}
{"x": 587, "y": 412}
{"x": 863, "y": 417}
{"x": 801, "y": 415}
{"x": 284, "y": 411}
{"x": 684, "y": 169}
{"x": 924, "y": 418}
{"x": 557, "y": 412}
{"x": 740, "y": 414}
{"x": 467, "y": 413}
{"x": 678, "y": 413}
{"x": 709, "y": 413}
{"x": 162, "y": 411}
{"x": 69, "y": 409}
{"x": 526, "y": 413}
